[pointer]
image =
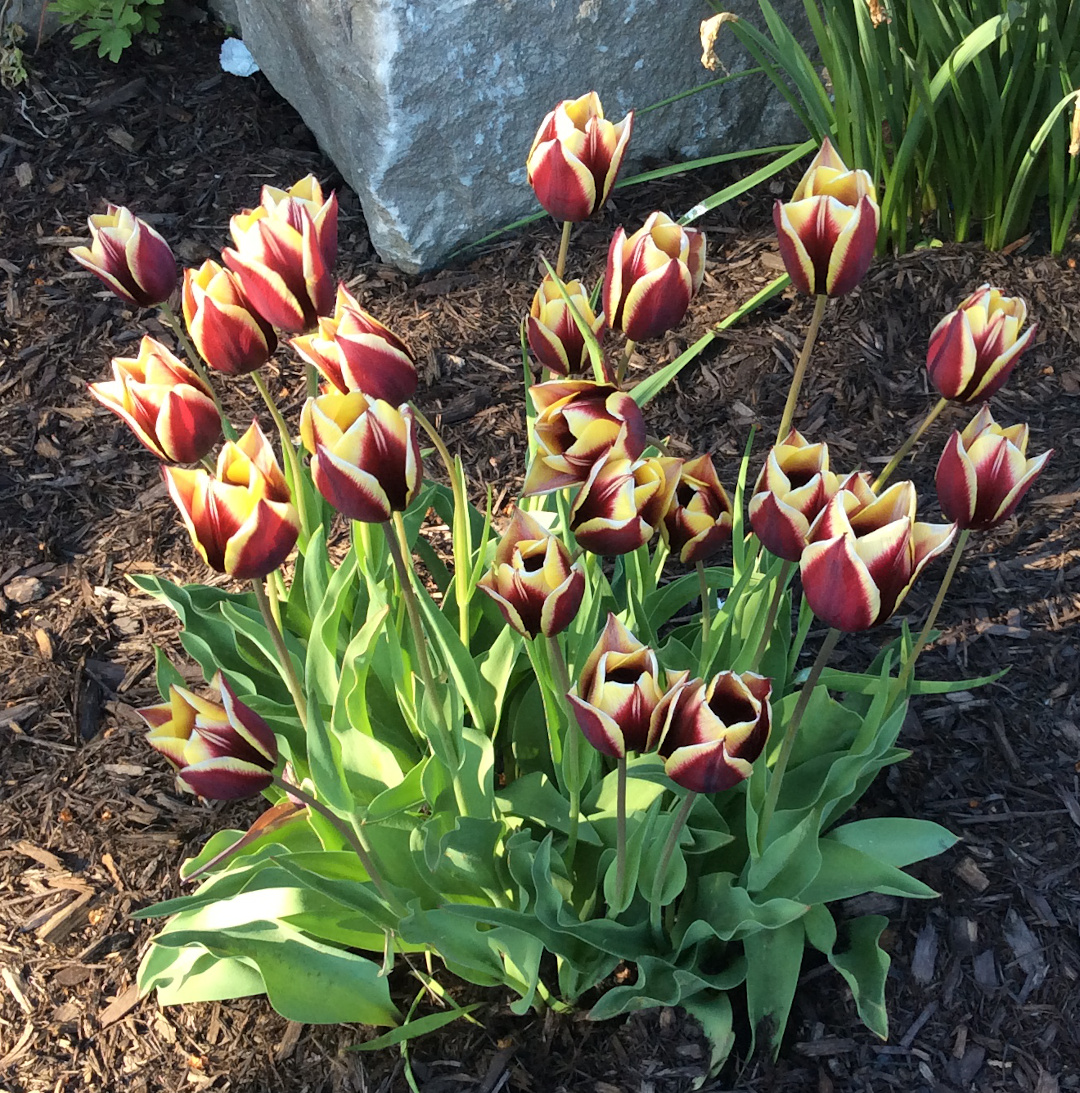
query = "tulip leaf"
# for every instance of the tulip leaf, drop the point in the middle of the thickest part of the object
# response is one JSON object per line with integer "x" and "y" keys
{"x": 325, "y": 643}
{"x": 896, "y": 840}
{"x": 723, "y": 909}
{"x": 712, "y": 1010}
{"x": 669, "y": 599}
{"x": 534, "y": 798}
{"x": 661, "y": 983}
{"x": 773, "y": 962}
{"x": 789, "y": 862}
{"x": 847, "y": 872}
{"x": 417, "y": 1026}
{"x": 639, "y": 829}
{"x": 166, "y": 673}
{"x": 194, "y": 974}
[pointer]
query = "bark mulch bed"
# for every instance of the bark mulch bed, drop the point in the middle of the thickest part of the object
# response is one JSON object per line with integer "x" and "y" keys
{"x": 983, "y": 993}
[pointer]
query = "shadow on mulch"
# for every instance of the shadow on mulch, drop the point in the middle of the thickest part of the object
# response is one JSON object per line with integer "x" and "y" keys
{"x": 983, "y": 990}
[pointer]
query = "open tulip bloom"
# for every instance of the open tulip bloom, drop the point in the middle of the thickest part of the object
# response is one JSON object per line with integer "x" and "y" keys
{"x": 697, "y": 523}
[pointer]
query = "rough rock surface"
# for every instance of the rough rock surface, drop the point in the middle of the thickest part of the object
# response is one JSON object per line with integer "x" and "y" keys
{"x": 429, "y": 109}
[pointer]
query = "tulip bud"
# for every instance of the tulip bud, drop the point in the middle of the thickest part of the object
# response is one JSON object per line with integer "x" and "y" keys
{"x": 865, "y": 554}
{"x": 698, "y": 520}
{"x": 130, "y": 257}
{"x": 576, "y": 156}
{"x": 355, "y": 352}
{"x": 366, "y": 454}
{"x": 794, "y": 486}
{"x": 578, "y": 423}
{"x": 242, "y": 521}
{"x": 984, "y": 472}
{"x": 167, "y": 406}
{"x": 652, "y": 276}
{"x": 974, "y": 349}
{"x": 533, "y": 581}
{"x": 828, "y": 230}
{"x": 230, "y": 336}
{"x": 284, "y": 252}
{"x": 554, "y": 335}
{"x": 618, "y": 692}
{"x": 223, "y": 751}
{"x": 710, "y": 735}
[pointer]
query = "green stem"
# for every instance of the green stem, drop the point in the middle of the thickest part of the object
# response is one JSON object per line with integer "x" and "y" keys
{"x": 172, "y": 321}
{"x": 288, "y": 452}
{"x": 774, "y": 606}
{"x": 285, "y": 664}
{"x": 800, "y": 368}
{"x": 790, "y": 732}
{"x": 665, "y": 860}
{"x": 624, "y": 360}
{"x": 573, "y": 747}
{"x": 564, "y": 247}
{"x": 706, "y": 618}
{"x": 620, "y": 831}
{"x": 908, "y": 444}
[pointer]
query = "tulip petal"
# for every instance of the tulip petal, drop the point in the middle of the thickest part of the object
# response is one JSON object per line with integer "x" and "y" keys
{"x": 838, "y": 586}
{"x": 657, "y": 301}
{"x": 267, "y": 291}
{"x": 601, "y": 730}
{"x": 225, "y": 779}
{"x": 353, "y": 492}
{"x": 706, "y": 768}
{"x": 854, "y": 249}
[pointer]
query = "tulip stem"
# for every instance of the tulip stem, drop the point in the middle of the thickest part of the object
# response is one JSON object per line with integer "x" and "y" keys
{"x": 172, "y": 321}
{"x": 908, "y": 444}
{"x": 288, "y": 452}
{"x": 665, "y": 860}
{"x": 706, "y": 617}
{"x": 800, "y": 367}
{"x": 624, "y": 361}
{"x": 285, "y": 664}
{"x": 573, "y": 747}
{"x": 564, "y": 247}
{"x": 774, "y": 607}
{"x": 620, "y": 831}
{"x": 790, "y": 732}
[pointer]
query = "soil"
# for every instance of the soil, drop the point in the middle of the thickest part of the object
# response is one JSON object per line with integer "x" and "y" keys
{"x": 983, "y": 993}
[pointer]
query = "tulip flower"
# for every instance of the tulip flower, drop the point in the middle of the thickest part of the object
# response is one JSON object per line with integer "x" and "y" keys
{"x": 284, "y": 251}
{"x": 794, "y": 486}
{"x": 366, "y": 454}
{"x": 533, "y": 581}
{"x": 242, "y": 521}
{"x": 709, "y": 735}
{"x": 866, "y": 552}
{"x": 355, "y": 352}
{"x": 231, "y": 337}
{"x": 223, "y": 751}
{"x": 167, "y": 405}
{"x": 698, "y": 520}
{"x": 984, "y": 472}
{"x": 618, "y": 691}
{"x": 622, "y": 503}
{"x": 554, "y": 335}
{"x": 579, "y": 423}
{"x": 828, "y": 230}
{"x": 974, "y": 349}
{"x": 652, "y": 276}
{"x": 576, "y": 156}
{"x": 130, "y": 257}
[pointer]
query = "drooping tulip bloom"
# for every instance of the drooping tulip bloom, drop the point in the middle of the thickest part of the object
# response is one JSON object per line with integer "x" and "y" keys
{"x": 709, "y": 735}
{"x": 355, "y": 352}
{"x": 618, "y": 691}
{"x": 366, "y": 454}
{"x": 622, "y": 503}
{"x": 578, "y": 423}
{"x": 984, "y": 472}
{"x": 652, "y": 276}
{"x": 284, "y": 252}
{"x": 242, "y": 520}
{"x": 130, "y": 257}
{"x": 974, "y": 349}
{"x": 794, "y": 486}
{"x": 828, "y": 230}
{"x": 698, "y": 521}
{"x": 533, "y": 581}
{"x": 223, "y": 751}
{"x": 866, "y": 552}
{"x": 576, "y": 156}
{"x": 230, "y": 335}
{"x": 554, "y": 336}
{"x": 167, "y": 405}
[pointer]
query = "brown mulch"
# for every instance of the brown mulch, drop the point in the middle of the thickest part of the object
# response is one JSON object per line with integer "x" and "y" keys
{"x": 983, "y": 993}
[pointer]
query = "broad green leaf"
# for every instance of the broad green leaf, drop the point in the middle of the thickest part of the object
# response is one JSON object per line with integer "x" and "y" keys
{"x": 847, "y": 872}
{"x": 721, "y": 908}
{"x": 194, "y": 974}
{"x": 895, "y": 840}
{"x": 773, "y": 961}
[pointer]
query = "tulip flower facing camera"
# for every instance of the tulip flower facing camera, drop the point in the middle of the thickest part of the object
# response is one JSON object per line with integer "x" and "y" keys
{"x": 553, "y": 333}
{"x": 697, "y": 522}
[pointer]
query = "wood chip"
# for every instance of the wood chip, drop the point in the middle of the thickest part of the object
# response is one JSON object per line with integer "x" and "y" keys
{"x": 972, "y": 875}
{"x": 926, "y": 948}
{"x": 43, "y": 857}
{"x": 119, "y": 1006}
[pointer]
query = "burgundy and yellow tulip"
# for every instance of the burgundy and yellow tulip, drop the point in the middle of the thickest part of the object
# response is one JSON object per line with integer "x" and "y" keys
{"x": 223, "y": 751}
{"x": 618, "y": 691}
{"x": 242, "y": 520}
{"x": 366, "y": 454}
{"x": 533, "y": 581}
{"x": 984, "y": 472}
{"x": 575, "y": 157}
{"x": 652, "y": 276}
{"x": 284, "y": 252}
{"x": 866, "y": 552}
{"x": 579, "y": 423}
{"x": 828, "y": 230}
{"x": 792, "y": 489}
{"x": 355, "y": 352}
{"x": 698, "y": 521}
{"x": 230, "y": 335}
{"x": 974, "y": 349}
{"x": 167, "y": 406}
{"x": 709, "y": 735}
{"x": 554, "y": 335}
{"x": 130, "y": 257}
